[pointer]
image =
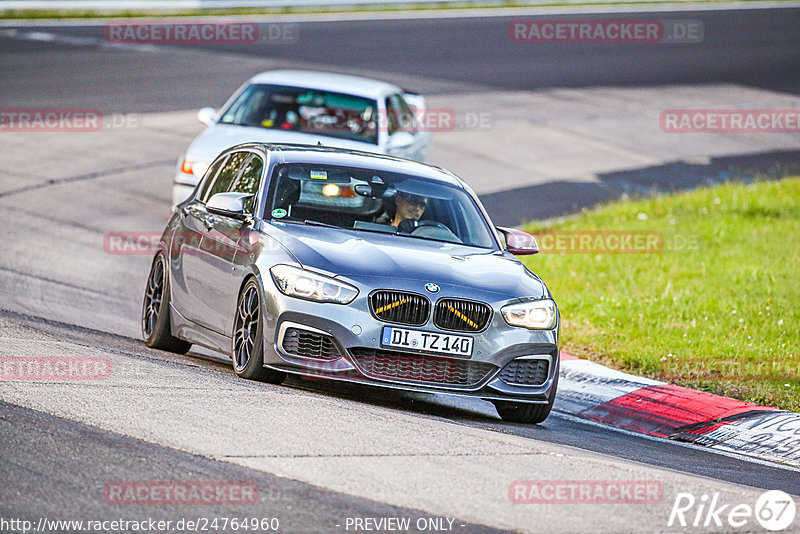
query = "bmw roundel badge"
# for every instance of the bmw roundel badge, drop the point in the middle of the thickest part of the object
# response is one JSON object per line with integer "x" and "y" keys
{"x": 431, "y": 288}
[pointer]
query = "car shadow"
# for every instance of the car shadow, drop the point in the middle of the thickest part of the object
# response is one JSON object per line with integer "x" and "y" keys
{"x": 432, "y": 404}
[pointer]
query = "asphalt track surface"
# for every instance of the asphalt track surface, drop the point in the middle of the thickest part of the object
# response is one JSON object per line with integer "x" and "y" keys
{"x": 754, "y": 47}
{"x": 95, "y": 455}
{"x": 103, "y": 448}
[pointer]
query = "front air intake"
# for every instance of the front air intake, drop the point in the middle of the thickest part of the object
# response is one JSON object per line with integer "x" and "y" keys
{"x": 400, "y": 307}
{"x": 461, "y": 315}
{"x": 307, "y": 344}
{"x": 525, "y": 372}
{"x": 407, "y": 367}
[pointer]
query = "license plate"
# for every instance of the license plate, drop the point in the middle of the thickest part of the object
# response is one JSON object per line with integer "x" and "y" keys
{"x": 426, "y": 341}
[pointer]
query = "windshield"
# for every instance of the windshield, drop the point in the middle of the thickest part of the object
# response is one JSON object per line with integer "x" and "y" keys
{"x": 376, "y": 201}
{"x": 305, "y": 110}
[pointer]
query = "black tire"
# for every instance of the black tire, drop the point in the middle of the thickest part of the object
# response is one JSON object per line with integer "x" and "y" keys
{"x": 532, "y": 414}
{"x": 247, "y": 346}
{"x": 156, "y": 328}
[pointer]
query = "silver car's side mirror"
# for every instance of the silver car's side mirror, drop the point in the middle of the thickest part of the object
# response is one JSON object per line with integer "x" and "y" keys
{"x": 400, "y": 140}
{"x": 519, "y": 243}
{"x": 207, "y": 116}
{"x": 229, "y": 204}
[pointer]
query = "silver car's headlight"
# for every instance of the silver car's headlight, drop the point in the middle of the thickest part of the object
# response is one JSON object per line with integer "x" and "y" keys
{"x": 535, "y": 314}
{"x": 303, "y": 284}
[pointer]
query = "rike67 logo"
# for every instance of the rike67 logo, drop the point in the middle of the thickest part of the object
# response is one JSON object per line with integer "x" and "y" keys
{"x": 774, "y": 510}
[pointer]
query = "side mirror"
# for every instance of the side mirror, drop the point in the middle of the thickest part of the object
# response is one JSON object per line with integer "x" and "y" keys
{"x": 229, "y": 204}
{"x": 400, "y": 141}
{"x": 207, "y": 116}
{"x": 518, "y": 242}
{"x": 416, "y": 101}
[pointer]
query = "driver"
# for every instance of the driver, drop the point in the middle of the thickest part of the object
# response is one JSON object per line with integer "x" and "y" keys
{"x": 408, "y": 207}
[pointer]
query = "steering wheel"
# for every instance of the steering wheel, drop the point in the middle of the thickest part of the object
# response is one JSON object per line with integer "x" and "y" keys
{"x": 435, "y": 224}
{"x": 407, "y": 226}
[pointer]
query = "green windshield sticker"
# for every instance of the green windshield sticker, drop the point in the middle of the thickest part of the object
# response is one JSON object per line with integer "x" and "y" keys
{"x": 319, "y": 175}
{"x": 305, "y": 98}
{"x": 279, "y": 213}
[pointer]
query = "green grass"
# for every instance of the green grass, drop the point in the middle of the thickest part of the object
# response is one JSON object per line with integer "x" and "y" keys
{"x": 717, "y": 309}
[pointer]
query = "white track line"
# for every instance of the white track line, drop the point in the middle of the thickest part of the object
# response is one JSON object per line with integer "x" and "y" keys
{"x": 433, "y": 13}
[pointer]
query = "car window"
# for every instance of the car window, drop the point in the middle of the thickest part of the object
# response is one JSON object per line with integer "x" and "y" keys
{"x": 392, "y": 120}
{"x": 249, "y": 181}
{"x": 209, "y": 177}
{"x": 399, "y": 116}
{"x": 368, "y": 200}
{"x": 222, "y": 181}
{"x": 298, "y": 109}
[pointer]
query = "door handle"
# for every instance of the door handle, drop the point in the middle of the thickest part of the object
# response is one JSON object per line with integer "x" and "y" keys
{"x": 208, "y": 222}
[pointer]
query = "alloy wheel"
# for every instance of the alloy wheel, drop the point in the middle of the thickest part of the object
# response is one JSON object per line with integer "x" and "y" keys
{"x": 152, "y": 298}
{"x": 246, "y": 328}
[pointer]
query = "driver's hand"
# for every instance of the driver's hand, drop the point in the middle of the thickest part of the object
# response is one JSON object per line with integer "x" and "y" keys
{"x": 407, "y": 226}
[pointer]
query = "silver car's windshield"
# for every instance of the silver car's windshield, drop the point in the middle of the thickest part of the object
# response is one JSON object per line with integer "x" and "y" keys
{"x": 305, "y": 110}
{"x": 376, "y": 201}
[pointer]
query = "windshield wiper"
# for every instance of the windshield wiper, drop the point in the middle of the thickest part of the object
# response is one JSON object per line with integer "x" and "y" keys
{"x": 309, "y": 222}
{"x": 312, "y": 222}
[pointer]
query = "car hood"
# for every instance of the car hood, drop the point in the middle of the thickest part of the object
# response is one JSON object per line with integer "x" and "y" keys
{"x": 368, "y": 257}
{"x": 210, "y": 143}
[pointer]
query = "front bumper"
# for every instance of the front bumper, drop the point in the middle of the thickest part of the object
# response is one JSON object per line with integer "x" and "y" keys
{"x": 355, "y": 332}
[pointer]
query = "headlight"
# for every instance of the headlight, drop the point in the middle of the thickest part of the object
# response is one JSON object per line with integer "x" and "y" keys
{"x": 303, "y": 284}
{"x": 535, "y": 314}
{"x": 197, "y": 168}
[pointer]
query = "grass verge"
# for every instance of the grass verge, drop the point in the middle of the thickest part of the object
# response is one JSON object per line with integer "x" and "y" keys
{"x": 714, "y": 305}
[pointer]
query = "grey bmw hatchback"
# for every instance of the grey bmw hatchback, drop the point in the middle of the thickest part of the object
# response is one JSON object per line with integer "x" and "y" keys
{"x": 357, "y": 267}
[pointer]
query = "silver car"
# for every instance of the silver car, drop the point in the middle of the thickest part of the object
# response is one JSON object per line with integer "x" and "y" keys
{"x": 310, "y": 108}
{"x": 358, "y": 267}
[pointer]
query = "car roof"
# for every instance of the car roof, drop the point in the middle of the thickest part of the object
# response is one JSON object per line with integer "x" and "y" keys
{"x": 288, "y": 153}
{"x": 327, "y": 81}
